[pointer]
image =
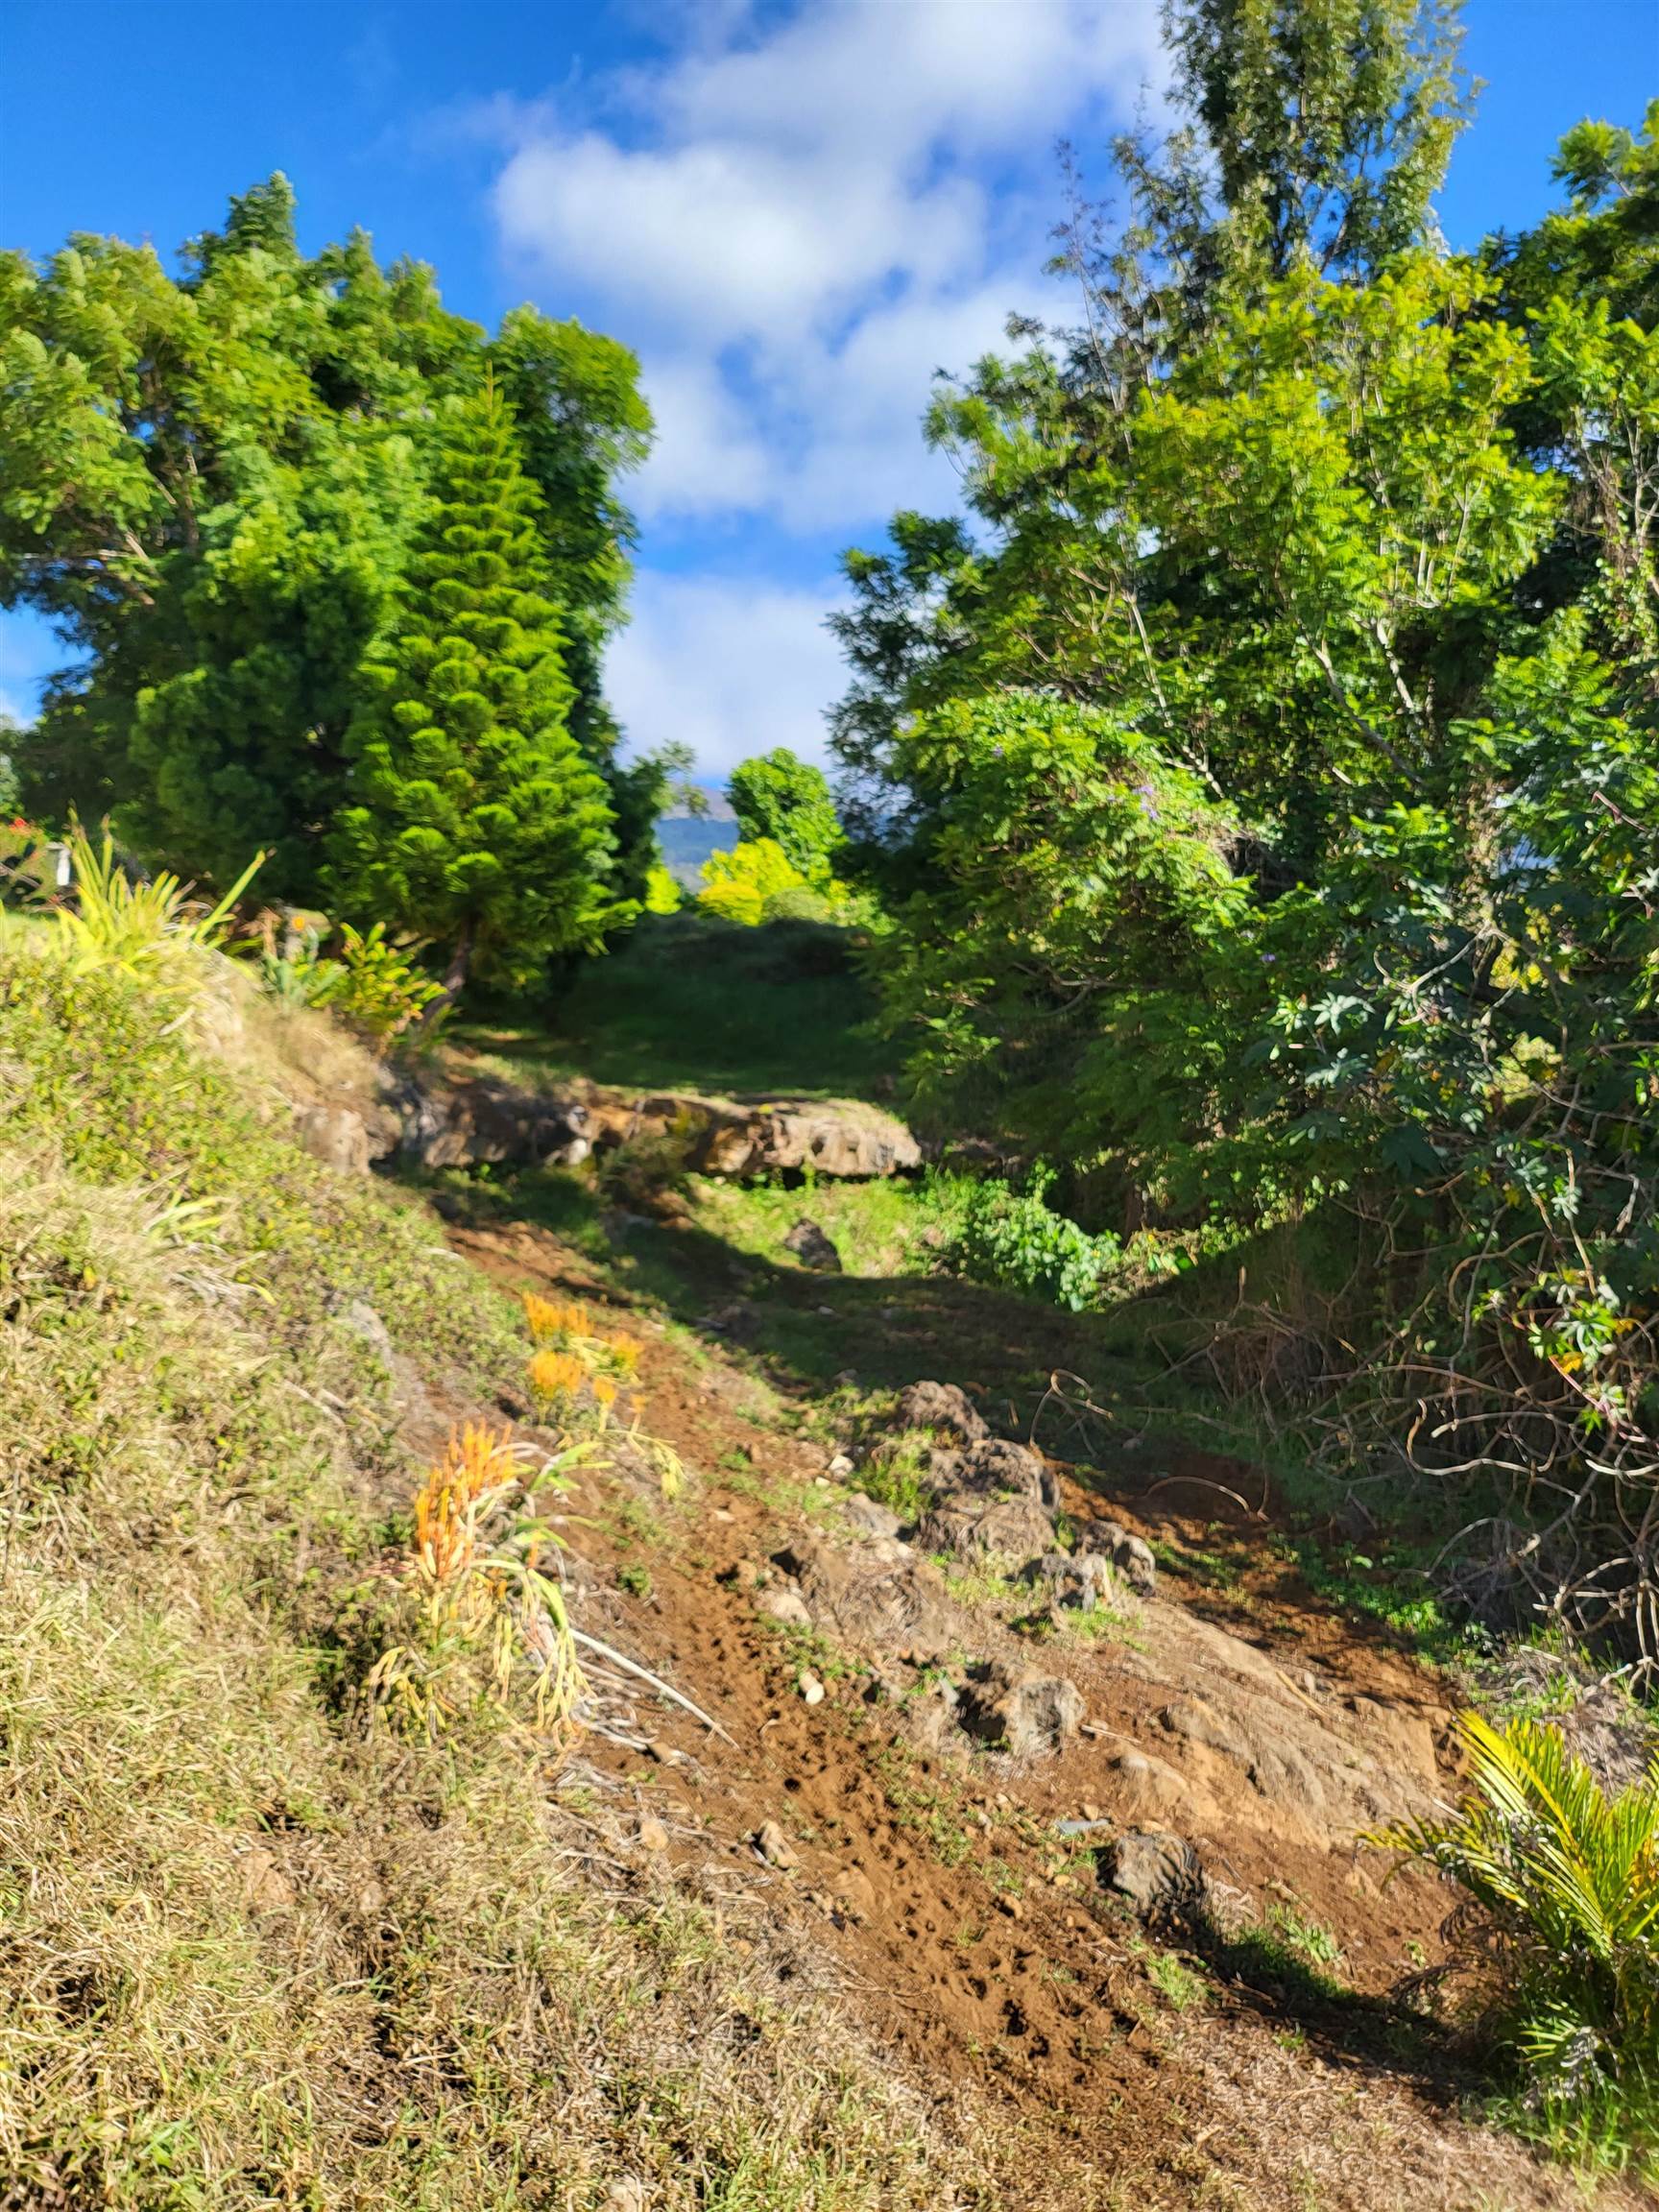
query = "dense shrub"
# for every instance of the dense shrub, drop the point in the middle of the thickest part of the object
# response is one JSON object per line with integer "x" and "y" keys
{"x": 1015, "y": 1240}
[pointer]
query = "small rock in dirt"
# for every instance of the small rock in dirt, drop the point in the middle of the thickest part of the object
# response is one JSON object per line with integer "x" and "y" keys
{"x": 941, "y": 1405}
{"x": 265, "y": 1888}
{"x": 811, "y": 1689}
{"x": 743, "y": 1575}
{"x": 1158, "y": 1872}
{"x": 1132, "y": 1553}
{"x": 928, "y": 1721}
{"x": 812, "y": 1247}
{"x": 787, "y": 1607}
{"x": 1079, "y": 1578}
{"x": 775, "y": 1847}
{"x": 841, "y": 1466}
{"x": 1022, "y": 1713}
{"x": 360, "y": 1320}
{"x": 853, "y": 1893}
{"x": 652, "y": 1834}
{"x": 868, "y": 1516}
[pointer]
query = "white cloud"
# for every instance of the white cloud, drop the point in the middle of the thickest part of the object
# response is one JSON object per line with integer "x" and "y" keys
{"x": 797, "y": 224}
{"x": 796, "y": 219}
{"x": 723, "y": 238}
{"x": 730, "y": 666}
{"x": 885, "y": 82}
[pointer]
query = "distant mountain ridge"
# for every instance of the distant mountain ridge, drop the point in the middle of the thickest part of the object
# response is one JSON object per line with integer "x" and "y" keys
{"x": 687, "y": 840}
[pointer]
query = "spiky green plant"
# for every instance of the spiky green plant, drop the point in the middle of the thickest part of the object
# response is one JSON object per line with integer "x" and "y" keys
{"x": 150, "y": 930}
{"x": 1569, "y": 1879}
{"x": 383, "y": 988}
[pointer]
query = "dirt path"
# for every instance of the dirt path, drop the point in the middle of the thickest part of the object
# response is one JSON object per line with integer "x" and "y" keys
{"x": 1106, "y": 2070}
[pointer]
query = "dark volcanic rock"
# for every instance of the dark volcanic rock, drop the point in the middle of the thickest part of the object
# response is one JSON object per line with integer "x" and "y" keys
{"x": 813, "y": 1249}
{"x": 945, "y": 1406}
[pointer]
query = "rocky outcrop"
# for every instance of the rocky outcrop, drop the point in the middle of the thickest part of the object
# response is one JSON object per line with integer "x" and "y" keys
{"x": 1022, "y": 1713}
{"x": 841, "y": 1138}
{"x": 339, "y": 1136}
{"x": 976, "y": 1529}
{"x": 457, "y": 1122}
{"x": 1132, "y": 1556}
{"x": 1080, "y": 1578}
{"x": 467, "y": 1123}
{"x": 941, "y": 1406}
{"x": 877, "y": 1596}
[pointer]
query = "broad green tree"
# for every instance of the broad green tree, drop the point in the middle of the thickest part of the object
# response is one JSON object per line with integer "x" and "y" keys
{"x": 474, "y": 818}
{"x": 780, "y": 796}
{"x": 209, "y": 480}
{"x": 1326, "y": 126}
{"x": 1309, "y": 138}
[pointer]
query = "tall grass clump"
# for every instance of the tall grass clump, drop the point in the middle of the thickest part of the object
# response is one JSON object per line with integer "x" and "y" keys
{"x": 1561, "y": 1881}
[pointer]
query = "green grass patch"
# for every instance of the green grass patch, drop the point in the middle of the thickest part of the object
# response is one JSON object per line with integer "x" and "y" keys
{"x": 689, "y": 1003}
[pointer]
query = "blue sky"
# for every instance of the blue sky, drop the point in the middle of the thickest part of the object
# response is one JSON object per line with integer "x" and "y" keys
{"x": 794, "y": 212}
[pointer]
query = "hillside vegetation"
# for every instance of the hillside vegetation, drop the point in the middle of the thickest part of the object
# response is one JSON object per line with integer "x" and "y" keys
{"x": 1241, "y": 871}
{"x": 259, "y": 1946}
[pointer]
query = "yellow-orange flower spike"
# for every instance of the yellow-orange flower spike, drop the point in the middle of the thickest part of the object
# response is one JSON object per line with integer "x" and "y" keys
{"x": 556, "y": 1375}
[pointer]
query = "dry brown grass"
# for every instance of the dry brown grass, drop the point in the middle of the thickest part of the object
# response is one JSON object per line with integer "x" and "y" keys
{"x": 256, "y": 1950}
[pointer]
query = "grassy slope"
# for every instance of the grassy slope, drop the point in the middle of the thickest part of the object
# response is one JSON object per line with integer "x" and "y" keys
{"x": 254, "y": 1951}
{"x": 690, "y": 1004}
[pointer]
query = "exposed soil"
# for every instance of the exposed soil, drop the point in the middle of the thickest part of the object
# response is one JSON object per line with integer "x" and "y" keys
{"x": 1120, "y": 2069}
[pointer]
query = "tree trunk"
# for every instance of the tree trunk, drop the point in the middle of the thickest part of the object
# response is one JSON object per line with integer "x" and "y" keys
{"x": 459, "y": 960}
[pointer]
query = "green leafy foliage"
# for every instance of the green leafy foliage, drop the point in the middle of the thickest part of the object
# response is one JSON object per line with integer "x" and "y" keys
{"x": 1015, "y": 1240}
{"x": 1263, "y": 787}
{"x": 780, "y": 797}
{"x": 150, "y": 931}
{"x": 210, "y": 482}
{"x": 663, "y": 893}
{"x": 741, "y": 885}
{"x": 383, "y": 988}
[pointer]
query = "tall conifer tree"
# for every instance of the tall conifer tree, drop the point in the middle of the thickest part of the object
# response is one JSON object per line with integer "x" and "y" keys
{"x": 474, "y": 818}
